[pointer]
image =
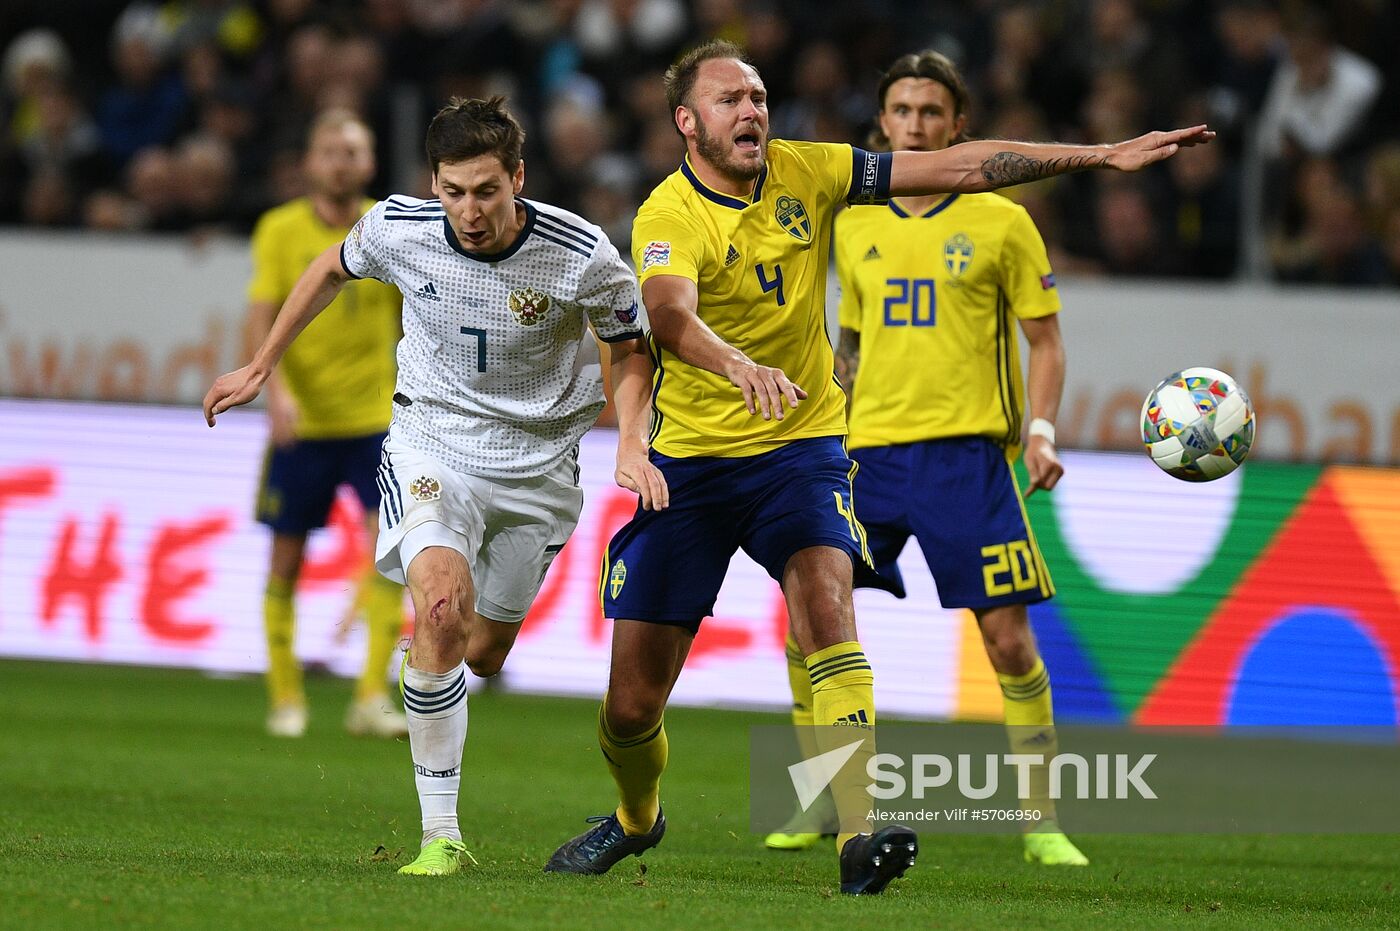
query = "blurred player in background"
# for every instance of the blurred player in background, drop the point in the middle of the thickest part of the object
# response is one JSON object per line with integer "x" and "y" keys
{"x": 930, "y": 288}
{"x": 498, "y": 380}
{"x": 731, "y": 250}
{"x": 328, "y": 407}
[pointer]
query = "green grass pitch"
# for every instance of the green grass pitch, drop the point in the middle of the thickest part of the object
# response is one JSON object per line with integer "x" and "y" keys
{"x": 151, "y": 798}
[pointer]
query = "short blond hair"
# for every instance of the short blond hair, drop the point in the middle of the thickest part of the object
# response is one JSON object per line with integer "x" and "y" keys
{"x": 336, "y": 118}
{"x": 679, "y": 79}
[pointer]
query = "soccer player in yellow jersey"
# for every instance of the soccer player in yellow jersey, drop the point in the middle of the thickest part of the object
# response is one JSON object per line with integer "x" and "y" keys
{"x": 930, "y": 290}
{"x": 328, "y": 408}
{"x": 748, "y": 422}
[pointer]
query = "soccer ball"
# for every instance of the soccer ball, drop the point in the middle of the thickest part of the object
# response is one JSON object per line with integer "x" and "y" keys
{"x": 1198, "y": 424}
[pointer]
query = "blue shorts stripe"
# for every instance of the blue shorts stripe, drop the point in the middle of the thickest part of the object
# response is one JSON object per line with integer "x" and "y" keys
{"x": 390, "y": 488}
{"x": 394, "y": 482}
{"x": 385, "y": 507}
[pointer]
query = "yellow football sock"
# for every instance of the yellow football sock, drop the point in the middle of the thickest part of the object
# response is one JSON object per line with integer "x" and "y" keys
{"x": 800, "y": 681}
{"x": 843, "y": 694}
{"x": 279, "y": 623}
{"x": 814, "y": 819}
{"x": 1030, "y": 728}
{"x": 383, "y": 604}
{"x": 636, "y": 764}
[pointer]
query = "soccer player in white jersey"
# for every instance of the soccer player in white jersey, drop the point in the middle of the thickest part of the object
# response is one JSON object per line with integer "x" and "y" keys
{"x": 498, "y": 379}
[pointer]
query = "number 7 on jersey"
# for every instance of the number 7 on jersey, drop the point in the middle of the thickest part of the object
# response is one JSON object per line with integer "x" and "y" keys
{"x": 480, "y": 346}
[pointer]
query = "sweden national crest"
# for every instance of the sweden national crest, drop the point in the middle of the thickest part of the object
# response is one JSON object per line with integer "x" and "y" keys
{"x": 529, "y": 305}
{"x": 957, "y": 254}
{"x": 617, "y": 577}
{"x": 792, "y": 217}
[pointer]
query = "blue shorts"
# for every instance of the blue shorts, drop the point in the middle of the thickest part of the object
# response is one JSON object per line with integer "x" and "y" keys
{"x": 667, "y": 566}
{"x": 300, "y": 480}
{"x": 958, "y": 497}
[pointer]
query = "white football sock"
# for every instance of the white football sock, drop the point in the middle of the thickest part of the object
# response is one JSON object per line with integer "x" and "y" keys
{"x": 436, "y": 704}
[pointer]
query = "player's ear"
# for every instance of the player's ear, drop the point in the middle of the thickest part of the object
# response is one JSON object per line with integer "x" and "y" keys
{"x": 518, "y": 181}
{"x": 960, "y": 128}
{"x": 685, "y": 121}
{"x": 437, "y": 192}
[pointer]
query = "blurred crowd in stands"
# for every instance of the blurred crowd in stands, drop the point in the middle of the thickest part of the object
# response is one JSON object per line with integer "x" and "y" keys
{"x": 189, "y": 115}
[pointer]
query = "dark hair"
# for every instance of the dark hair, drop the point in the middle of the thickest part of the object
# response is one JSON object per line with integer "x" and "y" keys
{"x": 934, "y": 66}
{"x": 466, "y": 128}
{"x": 679, "y": 79}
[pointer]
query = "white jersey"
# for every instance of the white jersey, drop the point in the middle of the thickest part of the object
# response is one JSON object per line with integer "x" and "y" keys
{"x": 498, "y": 376}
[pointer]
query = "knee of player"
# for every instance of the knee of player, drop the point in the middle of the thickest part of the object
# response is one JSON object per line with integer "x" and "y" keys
{"x": 487, "y": 664}
{"x": 444, "y": 614}
{"x": 632, "y": 713}
{"x": 830, "y": 617}
{"x": 1011, "y": 651}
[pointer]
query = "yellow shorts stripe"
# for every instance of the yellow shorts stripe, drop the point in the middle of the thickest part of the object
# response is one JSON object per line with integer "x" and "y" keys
{"x": 1042, "y": 571}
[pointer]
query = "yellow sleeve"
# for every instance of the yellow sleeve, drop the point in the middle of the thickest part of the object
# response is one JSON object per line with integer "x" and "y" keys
{"x": 268, "y": 282}
{"x": 837, "y": 170}
{"x": 827, "y": 167}
{"x": 1026, "y": 276}
{"x": 848, "y": 311}
{"x": 666, "y": 242}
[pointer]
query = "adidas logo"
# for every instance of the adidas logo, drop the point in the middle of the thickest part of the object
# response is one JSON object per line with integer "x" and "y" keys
{"x": 872, "y": 254}
{"x": 854, "y": 719}
{"x": 731, "y": 256}
{"x": 1044, "y": 738}
{"x": 428, "y": 292}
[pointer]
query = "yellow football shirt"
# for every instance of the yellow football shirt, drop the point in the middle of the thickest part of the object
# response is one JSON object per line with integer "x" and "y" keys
{"x": 935, "y": 298}
{"x": 341, "y": 368}
{"x": 760, "y": 268}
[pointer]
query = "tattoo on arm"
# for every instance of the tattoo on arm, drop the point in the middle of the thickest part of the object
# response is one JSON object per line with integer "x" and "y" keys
{"x": 1008, "y": 168}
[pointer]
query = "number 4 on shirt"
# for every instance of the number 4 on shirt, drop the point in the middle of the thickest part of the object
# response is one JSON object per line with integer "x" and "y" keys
{"x": 774, "y": 284}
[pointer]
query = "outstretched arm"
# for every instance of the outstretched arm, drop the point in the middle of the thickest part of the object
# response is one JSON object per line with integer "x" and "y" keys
{"x": 671, "y": 302}
{"x": 312, "y": 293}
{"x": 986, "y": 165}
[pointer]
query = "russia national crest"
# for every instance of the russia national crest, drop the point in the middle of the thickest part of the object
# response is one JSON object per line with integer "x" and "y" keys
{"x": 792, "y": 217}
{"x": 957, "y": 254}
{"x": 425, "y": 488}
{"x": 529, "y": 305}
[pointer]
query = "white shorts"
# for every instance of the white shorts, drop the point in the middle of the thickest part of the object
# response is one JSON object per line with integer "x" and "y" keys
{"x": 509, "y": 530}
